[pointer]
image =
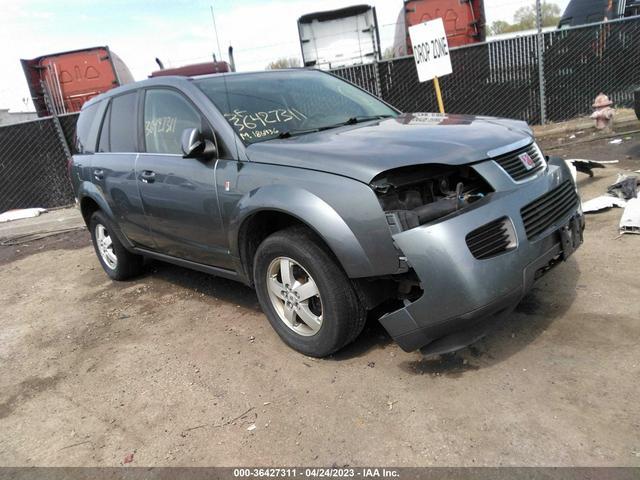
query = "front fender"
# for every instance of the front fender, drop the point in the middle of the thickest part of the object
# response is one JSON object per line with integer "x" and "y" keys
{"x": 311, "y": 210}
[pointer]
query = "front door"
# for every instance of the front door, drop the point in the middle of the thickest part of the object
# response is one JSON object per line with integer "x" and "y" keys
{"x": 178, "y": 194}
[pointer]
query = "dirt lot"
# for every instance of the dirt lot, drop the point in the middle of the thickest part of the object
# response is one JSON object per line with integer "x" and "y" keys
{"x": 175, "y": 367}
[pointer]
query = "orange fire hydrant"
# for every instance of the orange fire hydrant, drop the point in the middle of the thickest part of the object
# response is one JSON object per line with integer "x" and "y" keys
{"x": 603, "y": 113}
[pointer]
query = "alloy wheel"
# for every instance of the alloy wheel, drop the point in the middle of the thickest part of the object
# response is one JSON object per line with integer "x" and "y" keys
{"x": 105, "y": 246}
{"x": 295, "y": 296}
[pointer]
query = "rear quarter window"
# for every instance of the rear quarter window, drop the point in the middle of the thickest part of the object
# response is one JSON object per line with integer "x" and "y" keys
{"x": 87, "y": 128}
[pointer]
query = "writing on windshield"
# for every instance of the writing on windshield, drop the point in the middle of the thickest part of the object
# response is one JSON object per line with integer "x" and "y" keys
{"x": 281, "y": 104}
{"x": 256, "y": 125}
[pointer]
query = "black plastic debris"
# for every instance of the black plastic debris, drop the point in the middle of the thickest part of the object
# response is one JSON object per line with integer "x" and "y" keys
{"x": 586, "y": 166}
{"x": 626, "y": 187}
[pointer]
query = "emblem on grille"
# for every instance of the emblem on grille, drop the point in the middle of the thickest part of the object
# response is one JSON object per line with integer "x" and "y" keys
{"x": 527, "y": 161}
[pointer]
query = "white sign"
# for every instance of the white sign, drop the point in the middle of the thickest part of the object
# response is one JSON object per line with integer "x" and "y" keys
{"x": 430, "y": 49}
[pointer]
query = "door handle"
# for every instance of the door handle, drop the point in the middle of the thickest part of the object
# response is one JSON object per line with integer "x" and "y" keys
{"x": 148, "y": 176}
{"x": 98, "y": 174}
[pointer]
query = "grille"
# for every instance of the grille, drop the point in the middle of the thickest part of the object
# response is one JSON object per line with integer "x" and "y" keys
{"x": 548, "y": 209}
{"x": 490, "y": 239}
{"x": 514, "y": 166}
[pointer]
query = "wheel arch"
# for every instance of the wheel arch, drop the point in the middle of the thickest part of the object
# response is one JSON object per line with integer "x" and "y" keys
{"x": 87, "y": 207}
{"x": 91, "y": 200}
{"x": 258, "y": 226}
{"x": 264, "y": 211}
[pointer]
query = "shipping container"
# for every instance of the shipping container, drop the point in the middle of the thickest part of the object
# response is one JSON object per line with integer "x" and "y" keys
{"x": 339, "y": 38}
{"x": 464, "y": 21}
{"x": 73, "y": 77}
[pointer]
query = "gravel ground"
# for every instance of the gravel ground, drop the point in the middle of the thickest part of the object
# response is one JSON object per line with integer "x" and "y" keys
{"x": 176, "y": 368}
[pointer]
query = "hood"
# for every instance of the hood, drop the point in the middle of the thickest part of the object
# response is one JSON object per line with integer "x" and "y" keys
{"x": 368, "y": 149}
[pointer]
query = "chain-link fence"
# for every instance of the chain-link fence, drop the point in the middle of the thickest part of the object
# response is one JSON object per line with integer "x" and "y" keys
{"x": 68, "y": 124}
{"x": 501, "y": 78}
{"x": 33, "y": 164}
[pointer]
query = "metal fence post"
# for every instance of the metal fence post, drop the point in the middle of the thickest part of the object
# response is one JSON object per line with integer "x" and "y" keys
{"x": 540, "y": 42}
{"x": 377, "y": 77}
{"x": 56, "y": 121}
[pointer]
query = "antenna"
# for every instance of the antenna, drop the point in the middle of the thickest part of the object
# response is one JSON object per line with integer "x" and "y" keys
{"x": 215, "y": 29}
{"x": 224, "y": 76}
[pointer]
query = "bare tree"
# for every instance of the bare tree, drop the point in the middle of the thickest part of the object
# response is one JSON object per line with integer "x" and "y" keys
{"x": 284, "y": 62}
{"x": 388, "y": 53}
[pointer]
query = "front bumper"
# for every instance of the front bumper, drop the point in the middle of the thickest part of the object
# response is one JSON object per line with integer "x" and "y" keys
{"x": 463, "y": 296}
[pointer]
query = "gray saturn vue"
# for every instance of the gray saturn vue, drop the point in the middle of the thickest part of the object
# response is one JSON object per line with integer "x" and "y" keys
{"x": 332, "y": 204}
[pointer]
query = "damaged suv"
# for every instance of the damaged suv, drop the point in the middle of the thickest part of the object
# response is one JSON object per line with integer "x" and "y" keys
{"x": 328, "y": 201}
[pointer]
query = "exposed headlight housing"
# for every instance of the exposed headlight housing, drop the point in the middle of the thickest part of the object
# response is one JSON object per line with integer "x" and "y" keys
{"x": 420, "y": 194}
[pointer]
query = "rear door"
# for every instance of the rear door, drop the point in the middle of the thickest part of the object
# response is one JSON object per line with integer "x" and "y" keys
{"x": 113, "y": 167}
{"x": 178, "y": 194}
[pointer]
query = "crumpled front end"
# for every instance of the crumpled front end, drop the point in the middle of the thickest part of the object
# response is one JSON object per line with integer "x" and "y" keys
{"x": 477, "y": 263}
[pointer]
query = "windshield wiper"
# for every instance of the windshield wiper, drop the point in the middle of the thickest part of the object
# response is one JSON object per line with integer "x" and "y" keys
{"x": 349, "y": 121}
{"x": 354, "y": 120}
{"x": 293, "y": 133}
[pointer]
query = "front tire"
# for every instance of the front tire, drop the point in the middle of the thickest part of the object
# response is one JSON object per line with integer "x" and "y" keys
{"x": 305, "y": 294}
{"x": 117, "y": 261}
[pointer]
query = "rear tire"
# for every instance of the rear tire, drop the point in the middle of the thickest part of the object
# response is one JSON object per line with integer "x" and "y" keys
{"x": 305, "y": 294}
{"x": 117, "y": 261}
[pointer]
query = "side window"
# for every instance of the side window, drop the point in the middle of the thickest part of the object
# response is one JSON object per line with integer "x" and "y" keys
{"x": 87, "y": 128}
{"x": 122, "y": 123}
{"x": 166, "y": 115}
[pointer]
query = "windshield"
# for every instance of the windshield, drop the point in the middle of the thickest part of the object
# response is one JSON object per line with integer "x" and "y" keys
{"x": 266, "y": 105}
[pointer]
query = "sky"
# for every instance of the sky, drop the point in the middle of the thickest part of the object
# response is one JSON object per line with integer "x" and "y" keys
{"x": 177, "y": 31}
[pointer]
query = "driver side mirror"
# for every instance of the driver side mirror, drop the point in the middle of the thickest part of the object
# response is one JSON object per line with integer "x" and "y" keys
{"x": 195, "y": 146}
